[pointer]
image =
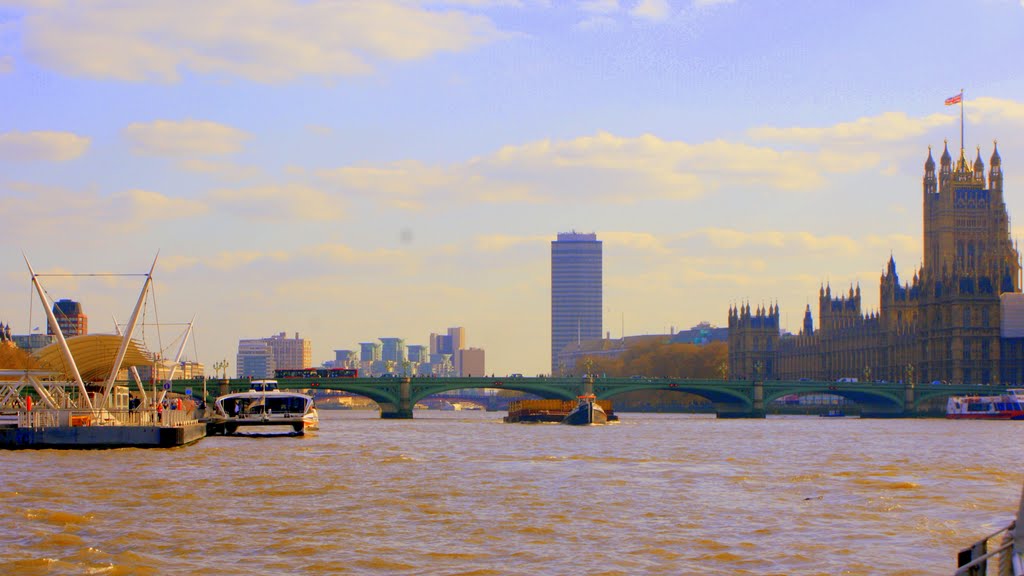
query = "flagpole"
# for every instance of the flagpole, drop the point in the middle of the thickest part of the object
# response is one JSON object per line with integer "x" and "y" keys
{"x": 961, "y": 121}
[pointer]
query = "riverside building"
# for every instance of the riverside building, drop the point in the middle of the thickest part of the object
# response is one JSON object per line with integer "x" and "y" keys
{"x": 943, "y": 325}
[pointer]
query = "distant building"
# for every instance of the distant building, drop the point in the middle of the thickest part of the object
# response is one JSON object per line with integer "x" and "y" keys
{"x": 393, "y": 350}
{"x": 448, "y": 345}
{"x": 33, "y": 342}
{"x": 70, "y": 318}
{"x": 701, "y": 334}
{"x": 369, "y": 352}
{"x": 417, "y": 353}
{"x": 345, "y": 359}
{"x": 576, "y": 292}
{"x": 255, "y": 359}
{"x": 159, "y": 371}
{"x": 472, "y": 362}
{"x": 290, "y": 353}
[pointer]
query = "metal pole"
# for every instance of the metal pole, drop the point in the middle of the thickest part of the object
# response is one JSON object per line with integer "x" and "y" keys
{"x": 961, "y": 121}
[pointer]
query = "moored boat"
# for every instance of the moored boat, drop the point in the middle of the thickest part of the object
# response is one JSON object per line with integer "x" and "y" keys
{"x": 994, "y": 407}
{"x": 587, "y": 411}
{"x": 264, "y": 404}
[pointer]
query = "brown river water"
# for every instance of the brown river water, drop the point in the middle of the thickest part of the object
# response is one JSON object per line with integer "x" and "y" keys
{"x": 463, "y": 493}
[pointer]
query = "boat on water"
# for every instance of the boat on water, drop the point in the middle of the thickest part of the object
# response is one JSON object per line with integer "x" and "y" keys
{"x": 995, "y": 407}
{"x": 264, "y": 404}
{"x": 587, "y": 411}
{"x": 833, "y": 413}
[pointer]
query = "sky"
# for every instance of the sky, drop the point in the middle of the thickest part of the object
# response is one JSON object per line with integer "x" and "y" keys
{"x": 349, "y": 170}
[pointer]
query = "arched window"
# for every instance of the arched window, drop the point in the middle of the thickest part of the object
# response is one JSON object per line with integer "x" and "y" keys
{"x": 967, "y": 317}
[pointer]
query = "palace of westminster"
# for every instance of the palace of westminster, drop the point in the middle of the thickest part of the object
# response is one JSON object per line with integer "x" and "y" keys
{"x": 959, "y": 320}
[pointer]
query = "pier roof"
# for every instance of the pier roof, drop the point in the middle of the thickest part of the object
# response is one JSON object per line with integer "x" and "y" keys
{"x": 94, "y": 355}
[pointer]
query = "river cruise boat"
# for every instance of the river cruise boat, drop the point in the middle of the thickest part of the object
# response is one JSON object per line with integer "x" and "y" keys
{"x": 587, "y": 411}
{"x": 996, "y": 407}
{"x": 266, "y": 405}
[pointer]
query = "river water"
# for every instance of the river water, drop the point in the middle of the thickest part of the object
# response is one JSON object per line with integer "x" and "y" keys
{"x": 463, "y": 493}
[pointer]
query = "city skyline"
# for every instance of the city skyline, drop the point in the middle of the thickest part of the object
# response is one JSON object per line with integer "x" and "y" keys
{"x": 314, "y": 177}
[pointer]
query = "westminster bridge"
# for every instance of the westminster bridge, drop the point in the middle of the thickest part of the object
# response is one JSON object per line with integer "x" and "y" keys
{"x": 730, "y": 398}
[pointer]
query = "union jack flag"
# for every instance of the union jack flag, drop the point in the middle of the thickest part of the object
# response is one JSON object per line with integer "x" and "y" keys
{"x": 954, "y": 99}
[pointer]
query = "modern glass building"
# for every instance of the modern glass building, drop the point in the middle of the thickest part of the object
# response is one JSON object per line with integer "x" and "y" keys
{"x": 576, "y": 293}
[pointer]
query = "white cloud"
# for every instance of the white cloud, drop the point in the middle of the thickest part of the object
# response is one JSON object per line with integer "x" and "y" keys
{"x": 651, "y": 9}
{"x": 599, "y": 6}
{"x": 502, "y": 242}
{"x": 47, "y": 146}
{"x": 274, "y": 202}
{"x": 887, "y": 127}
{"x": 597, "y": 22}
{"x": 6, "y": 64}
{"x": 183, "y": 139}
{"x": 35, "y": 207}
{"x": 261, "y": 40}
{"x": 988, "y": 109}
{"x": 710, "y": 3}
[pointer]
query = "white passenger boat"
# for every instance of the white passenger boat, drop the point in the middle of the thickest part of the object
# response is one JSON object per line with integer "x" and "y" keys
{"x": 266, "y": 405}
{"x": 1009, "y": 406}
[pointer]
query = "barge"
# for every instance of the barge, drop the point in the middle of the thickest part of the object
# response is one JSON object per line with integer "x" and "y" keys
{"x": 550, "y": 411}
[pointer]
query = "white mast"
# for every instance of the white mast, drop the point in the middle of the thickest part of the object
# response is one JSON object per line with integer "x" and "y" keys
{"x": 129, "y": 329}
{"x": 177, "y": 358}
{"x": 65, "y": 352}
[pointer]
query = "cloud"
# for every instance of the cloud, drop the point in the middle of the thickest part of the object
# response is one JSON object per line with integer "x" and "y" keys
{"x": 654, "y": 10}
{"x": 988, "y": 109}
{"x": 599, "y": 6}
{"x": 260, "y": 40}
{"x": 231, "y": 259}
{"x": 729, "y": 239}
{"x": 35, "y": 207}
{"x": 274, "y": 202}
{"x": 887, "y": 127}
{"x": 222, "y": 170}
{"x": 502, "y": 242}
{"x": 183, "y": 139}
{"x": 711, "y": 3}
{"x": 41, "y": 146}
{"x": 641, "y": 241}
{"x": 6, "y": 64}
{"x": 597, "y": 22}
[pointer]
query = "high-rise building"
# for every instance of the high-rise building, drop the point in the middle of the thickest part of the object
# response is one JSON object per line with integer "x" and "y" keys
{"x": 576, "y": 292}
{"x": 369, "y": 351}
{"x": 70, "y": 318}
{"x": 944, "y": 325}
{"x": 417, "y": 353}
{"x": 393, "y": 350}
{"x": 285, "y": 354}
{"x": 255, "y": 359}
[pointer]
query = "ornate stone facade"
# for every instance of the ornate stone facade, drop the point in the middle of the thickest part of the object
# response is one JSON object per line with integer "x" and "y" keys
{"x": 943, "y": 325}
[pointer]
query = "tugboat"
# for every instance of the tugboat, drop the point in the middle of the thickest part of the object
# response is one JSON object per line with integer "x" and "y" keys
{"x": 587, "y": 411}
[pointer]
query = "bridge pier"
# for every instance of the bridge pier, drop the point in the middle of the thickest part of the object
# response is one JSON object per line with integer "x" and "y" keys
{"x": 403, "y": 410}
{"x": 756, "y": 409}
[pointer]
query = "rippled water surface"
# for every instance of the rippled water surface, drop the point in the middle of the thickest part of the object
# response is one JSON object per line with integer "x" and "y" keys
{"x": 463, "y": 493}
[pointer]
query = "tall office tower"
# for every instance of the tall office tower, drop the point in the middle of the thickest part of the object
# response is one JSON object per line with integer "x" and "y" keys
{"x": 417, "y": 353}
{"x": 576, "y": 293}
{"x": 255, "y": 359}
{"x": 70, "y": 318}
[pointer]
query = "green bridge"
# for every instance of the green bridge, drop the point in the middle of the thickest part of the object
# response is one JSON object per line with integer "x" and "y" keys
{"x": 730, "y": 398}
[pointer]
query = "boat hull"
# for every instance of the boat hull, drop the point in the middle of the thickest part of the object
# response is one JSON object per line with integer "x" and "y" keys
{"x": 586, "y": 414}
{"x": 96, "y": 437}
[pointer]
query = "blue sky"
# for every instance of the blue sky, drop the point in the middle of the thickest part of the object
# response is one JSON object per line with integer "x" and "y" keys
{"x": 357, "y": 169}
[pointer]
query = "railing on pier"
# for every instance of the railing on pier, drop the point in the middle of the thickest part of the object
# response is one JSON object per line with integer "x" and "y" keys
{"x": 45, "y": 418}
{"x": 1008, "y": 552}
